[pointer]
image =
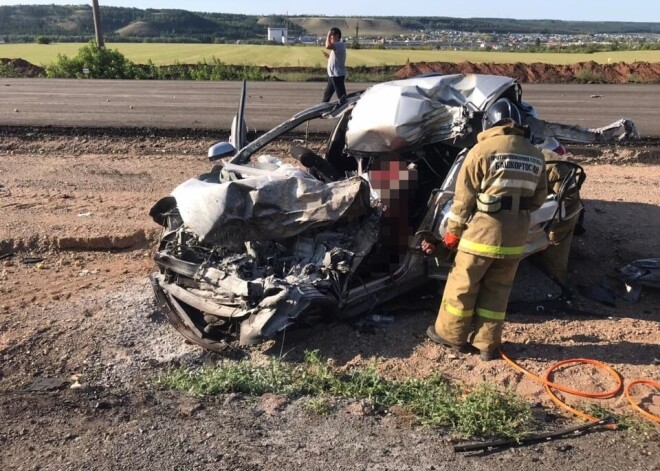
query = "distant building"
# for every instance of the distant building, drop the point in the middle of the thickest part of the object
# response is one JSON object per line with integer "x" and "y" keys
{"x": 278, "y": 35}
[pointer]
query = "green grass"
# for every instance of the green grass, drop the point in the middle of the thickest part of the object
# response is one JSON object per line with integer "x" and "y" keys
{"x": 7, "y": 71}
{"x": 305, "y": 56}
{"x": 639, "y": 428}
{"x": 485, "y": 411}
{"x": 320, "y": 406}
{"x": 588, "y": 76}
{"x": 636, "y": 78}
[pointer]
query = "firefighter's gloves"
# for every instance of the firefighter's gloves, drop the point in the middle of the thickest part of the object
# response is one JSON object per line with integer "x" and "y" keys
{"x": 451, "y": 241}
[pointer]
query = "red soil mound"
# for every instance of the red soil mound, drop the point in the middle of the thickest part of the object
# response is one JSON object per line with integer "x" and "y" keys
{"x": 620, "y": 72}
{"x": 582, "y": 72}
{"x": 23, "y": 68}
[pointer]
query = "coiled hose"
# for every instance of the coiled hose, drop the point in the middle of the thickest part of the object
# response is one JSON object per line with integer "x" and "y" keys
{"x": 549, "y": 385}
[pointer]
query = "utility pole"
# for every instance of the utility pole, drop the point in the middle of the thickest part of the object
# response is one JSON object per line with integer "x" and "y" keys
{"x": 97, "y": 23}
{"x": 356, "y": 39}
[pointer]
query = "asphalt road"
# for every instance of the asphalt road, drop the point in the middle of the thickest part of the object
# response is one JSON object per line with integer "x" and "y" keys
{"x": 211, "y": 105}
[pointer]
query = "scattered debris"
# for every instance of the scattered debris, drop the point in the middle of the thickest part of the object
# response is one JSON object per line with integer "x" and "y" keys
{"x": 598, "y": 293}
{"x": 374, "y": 320}
{"x": 32, "y": 260}
{"x": 645, "y": 272}
{"x": 45, "y": 384}
{"x": 550, "y": 307}
{"x": 632, "y": 293}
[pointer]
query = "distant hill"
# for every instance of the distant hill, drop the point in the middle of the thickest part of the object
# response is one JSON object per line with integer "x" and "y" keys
{"x": 319, "y": 26}
{"x": 21, "y": 23}
{"x": 74, "y": 23}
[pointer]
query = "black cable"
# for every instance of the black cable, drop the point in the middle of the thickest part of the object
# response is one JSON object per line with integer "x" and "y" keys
{"x": 533, "y": 438}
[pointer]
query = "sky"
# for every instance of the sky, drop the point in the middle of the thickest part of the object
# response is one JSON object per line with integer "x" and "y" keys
{"x": 575, "y": 10}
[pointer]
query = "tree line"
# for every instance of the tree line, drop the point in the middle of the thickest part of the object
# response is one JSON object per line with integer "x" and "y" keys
{"x": 509, "y": 25}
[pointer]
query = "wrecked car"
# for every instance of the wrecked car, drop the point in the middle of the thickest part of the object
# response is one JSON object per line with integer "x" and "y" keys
{"x": 262, "y": 243}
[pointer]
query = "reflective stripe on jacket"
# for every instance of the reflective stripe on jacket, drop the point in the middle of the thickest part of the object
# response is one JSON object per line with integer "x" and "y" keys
{"x": 503, "y": 164}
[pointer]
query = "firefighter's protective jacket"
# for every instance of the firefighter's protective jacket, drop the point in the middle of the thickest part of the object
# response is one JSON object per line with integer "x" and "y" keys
{"x": 505, "y": 166}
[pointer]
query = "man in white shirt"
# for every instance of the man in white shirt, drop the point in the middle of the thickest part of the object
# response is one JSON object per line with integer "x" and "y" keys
{"x": 336, "y": 66}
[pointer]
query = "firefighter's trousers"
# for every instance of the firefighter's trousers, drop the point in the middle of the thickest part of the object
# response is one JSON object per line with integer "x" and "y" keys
{"x": 475, "y": 299}
{"x": 555, "y": 257}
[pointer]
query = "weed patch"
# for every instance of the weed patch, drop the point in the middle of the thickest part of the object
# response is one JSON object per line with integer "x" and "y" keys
{"x": 320, "y": 406}
{"x": 636, "y": 78}
{"x": 7, "y": 70}
{"x": 485, "y": 411}
{"x": 589, "y": 76}
{"x": 638, "y": 428}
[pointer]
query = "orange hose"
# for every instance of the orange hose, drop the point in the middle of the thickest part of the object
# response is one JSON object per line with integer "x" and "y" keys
{"x": 549, "y": 385}
{"x": 635, "y": 406}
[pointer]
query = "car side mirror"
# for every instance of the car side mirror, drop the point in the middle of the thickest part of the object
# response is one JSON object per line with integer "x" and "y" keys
{"x": 220, "y": 150}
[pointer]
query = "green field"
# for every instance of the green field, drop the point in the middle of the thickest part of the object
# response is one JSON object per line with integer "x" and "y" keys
{"x": 306, "y": 56}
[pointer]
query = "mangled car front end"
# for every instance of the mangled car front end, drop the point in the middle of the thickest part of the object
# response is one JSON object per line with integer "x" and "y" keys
{"x": 256, "y": 245}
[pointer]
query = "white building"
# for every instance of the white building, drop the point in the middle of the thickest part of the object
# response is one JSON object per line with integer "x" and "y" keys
{"x": 278, "y": 35}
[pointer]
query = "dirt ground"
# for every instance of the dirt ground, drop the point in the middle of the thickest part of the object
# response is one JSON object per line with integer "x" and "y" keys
{"x": 82, "y": 343}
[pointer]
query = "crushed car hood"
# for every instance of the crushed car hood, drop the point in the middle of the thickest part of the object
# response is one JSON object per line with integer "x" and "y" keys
{"x": 276, "y": 206}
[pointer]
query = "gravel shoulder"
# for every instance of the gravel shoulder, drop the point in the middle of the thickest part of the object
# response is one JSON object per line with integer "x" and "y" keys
{"x": 82, "y": 343}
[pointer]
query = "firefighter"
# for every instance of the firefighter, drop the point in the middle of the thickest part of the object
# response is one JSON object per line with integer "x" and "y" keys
{"x": 502, "y": 180}
{"x": 564, "y": 181}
